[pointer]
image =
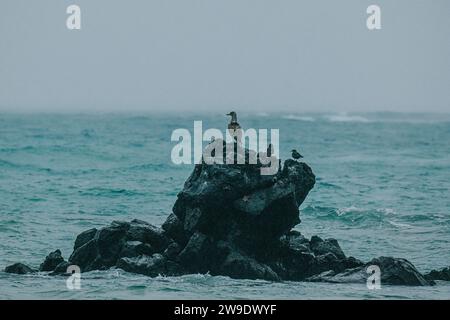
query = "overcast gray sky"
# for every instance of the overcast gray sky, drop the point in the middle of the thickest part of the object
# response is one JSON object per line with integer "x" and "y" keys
{"x": 254, "y": 55}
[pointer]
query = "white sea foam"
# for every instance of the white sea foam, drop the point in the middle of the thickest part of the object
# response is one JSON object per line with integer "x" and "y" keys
{"x": 344, "y": 117}
{"x": 354, "y": 209}
{"x": 399, "y": 225}
{"x": 298, "y": 118}
{"x": 342, "y": 211}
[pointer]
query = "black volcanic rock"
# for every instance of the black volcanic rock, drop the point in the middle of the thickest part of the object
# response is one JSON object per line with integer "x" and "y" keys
{"x": 319, "y": 247}
{"x": 443, "y": 274}
{"x": 202, "y": 254}
{"x": 61, "y": 269}
{"x": 136, "y": 248}
{"x": 240, "y": 266}
{"x": 19, "y": 268}
{"x": 196, "y": 255}
{"x": 172, "y": 251}
{"x": 152, "y": 266}
{"x": 146, "y": 233}
{"x": 394, "y": 271}
{"x": 52, "y": 261}
{"x": 352, "y": 262}
{"x": 230, "y": 220}
{"x": 237, "y": 204}
{"x": 84, "y": 237}
{"x": 101, "y": 249}
{"x": 174, "y": 229}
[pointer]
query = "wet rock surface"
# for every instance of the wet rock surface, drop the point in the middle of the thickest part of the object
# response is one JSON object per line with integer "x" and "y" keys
{"x": 19, "y": 268}
{"x": 230, "y": 220}
{"x": 393, "y": 271}
{"x": 103, "y": 248}
{"x": 52, "y": 261}
{"x": 152, "y": 266}
{"x": 443, "y": 274}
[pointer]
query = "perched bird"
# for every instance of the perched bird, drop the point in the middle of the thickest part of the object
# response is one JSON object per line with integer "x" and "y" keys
{"x": 296, "y": 155}
{"x": 269, "y": 150}
{"x": 213, "y": 152}
{"x": 233, "y": 125}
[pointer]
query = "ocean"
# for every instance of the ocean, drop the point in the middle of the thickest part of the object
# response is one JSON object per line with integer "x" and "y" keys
{"x": 383, "y": 182}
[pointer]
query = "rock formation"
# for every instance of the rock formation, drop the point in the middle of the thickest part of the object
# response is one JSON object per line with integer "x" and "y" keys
{"x": 443, "y": 275}
{"x": 19, "y": 268}
{"x": 52, "y": 261}
{"x": 229, "y": 220}
{"x": 394, "y": 271}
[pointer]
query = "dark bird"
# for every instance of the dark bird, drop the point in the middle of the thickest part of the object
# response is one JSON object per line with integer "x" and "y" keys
{"x": 213, "y": 152}
{"x": 233, "y": 125}
{"x": 269, "y": 150}
{"x": 296, "y": 155}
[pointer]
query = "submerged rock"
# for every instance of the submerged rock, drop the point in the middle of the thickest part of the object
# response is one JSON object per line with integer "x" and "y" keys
{"x": 19, "y": 268}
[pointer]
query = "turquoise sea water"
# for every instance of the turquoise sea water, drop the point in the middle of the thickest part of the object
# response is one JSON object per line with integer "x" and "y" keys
{"x": 383, "y": 182}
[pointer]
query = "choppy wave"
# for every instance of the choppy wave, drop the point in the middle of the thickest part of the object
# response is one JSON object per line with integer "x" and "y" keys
{"x": 17, "y": 149}
{"x": 109, "y": 192}
{"x": 353, "y": 210}
{"x": 358, "y": 216}
{"x": 349, "y": 214}
{"x": 19, "y": 166}
{"x": 117, "y": 284}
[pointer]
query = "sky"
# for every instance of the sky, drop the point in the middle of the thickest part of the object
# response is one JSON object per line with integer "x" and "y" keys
{"x": 252, "y": 55}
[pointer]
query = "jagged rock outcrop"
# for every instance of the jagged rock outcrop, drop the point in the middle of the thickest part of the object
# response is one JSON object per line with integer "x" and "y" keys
{"x": 229, "y": 220}
{"x": 101, "y": 249}
{"x": 52, "y": 261}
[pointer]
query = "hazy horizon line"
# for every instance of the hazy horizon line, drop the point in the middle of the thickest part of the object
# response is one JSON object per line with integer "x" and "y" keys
{"x": 242, "y": 112}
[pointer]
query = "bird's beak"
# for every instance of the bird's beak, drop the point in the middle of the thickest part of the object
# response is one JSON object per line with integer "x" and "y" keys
{"x": 228, "y": 114}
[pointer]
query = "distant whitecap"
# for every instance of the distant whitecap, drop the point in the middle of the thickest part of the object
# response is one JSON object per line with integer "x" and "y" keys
{"x": 298, "y": 118}
{"x": 343, "y": 117}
